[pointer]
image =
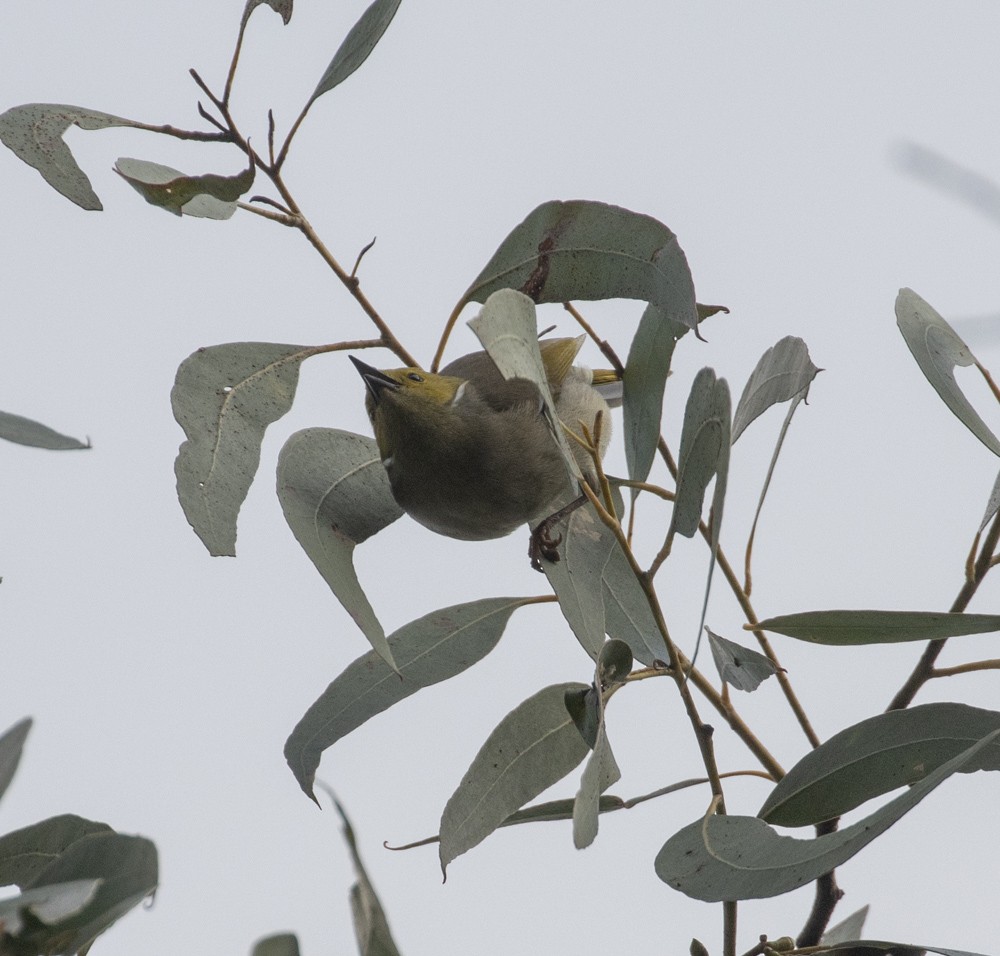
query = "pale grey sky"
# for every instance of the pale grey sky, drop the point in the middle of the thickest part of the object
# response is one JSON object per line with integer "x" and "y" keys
{"x": 164, "y": 682}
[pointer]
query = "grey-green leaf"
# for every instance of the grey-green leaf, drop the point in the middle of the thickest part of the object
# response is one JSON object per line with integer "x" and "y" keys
{"x": 24, "y": 431}
{"x": 284, "y": 9}
{"x": 428, "y": 650}
{"x": 740, "y": 666}
{"x": 281, "y": 944}
{"x": 34, "y": 132}
{"x": 210, "y": 196}
{"x": 48, "y": 905}
{"x": 849, "y": 627}
{"x": 335, "y": 493}
{"x": 224, "y": 397}
{"x": 627, "y": 615}
{"x": 847, "y": 929}
{"x": 784, "y": 371}
{"x": 876, "y": 756}
{"x": 742, "y": 858}
{"x": 600, "y": 773}
{"x": 127, "y": 868}
{"x": 871, "y": 947}
{"x": 938, "y": 348}
{"x": 357, "y": 45}
{"x": 590, "y": 250}
{"x": 11, "y": 746}
{"x": 26, "y": 852}
{"x": 533, "y": 747}
{"x": 993, "y": 505}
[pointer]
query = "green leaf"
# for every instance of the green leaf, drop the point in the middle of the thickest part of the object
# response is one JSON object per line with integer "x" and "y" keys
{"x": 284, "y": 8}
{"x": 876, "y": 756}
{"x": 533, "y": 747}
{"x": 614, "y": 663}
{"x": 590, "y": 250}
{"x": 742, "y": 858}
{"x": 224, "y": 397}
{"x": 783, "y": 371}
{"x": 281, "y": 944}
{"x": 26, "y": 852}
{"x": 357, "y": 45}
{"x": 11, "y": 746}
{"x": 601, "y": 770}
{"x": 24, "y": 431}
{"x": 627, "y": 615}
{"x": 878, "y": 627}
{"x": 127, "y": 868}
{"x": 209, "y": 196}
{"x": 48, "y": 905}
{"x": 428, "y": 650}
{"x": 740, "y": 666}
{"x": 938, "y": 348}
{"x": 34, "y": 132}
{"x": 335, "y": 493}
{"x": 993, "y": 505}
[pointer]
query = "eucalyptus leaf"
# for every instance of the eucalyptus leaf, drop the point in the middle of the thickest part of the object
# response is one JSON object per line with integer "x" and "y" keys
{"x": 209, "y": 196}
{"x": 993, "y": 505}
{"x": 224, "y": 397}
{"x": 428, "y": 650}
{"x": 25, "y": 431}
{"x": 847, "y": 929}
{"x": 34, "y": 132}
{"x": 26, "y": 852}
{"x": 627, "y": 615}
{"x": 281, "y": 944}
{"x": 600, "y": 772}
{"x": 533, "y": 747}
{"x": 614, "y": 663}
{"x": 938, "y": 348}
{"x": 871, "y": 947}
{"x": 783, "y": 371}
{"x": 740, "y": 666}
{"x": 284, "y": 8}
{"x": 590, "y": 250}
{"x": 878, "y": 755}
{"x": 850, "y": 627}
{"x": 740, "y": 858}
{"x": 11, "y": 747}
{"x": 335, "y": 494}
{"x": 357, "y": 45}
{"x": 46, "y": 904}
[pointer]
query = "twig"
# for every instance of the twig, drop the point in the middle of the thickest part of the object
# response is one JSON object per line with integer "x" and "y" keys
{"x": 602, "y": 344}
{"x": 990, "y": 665}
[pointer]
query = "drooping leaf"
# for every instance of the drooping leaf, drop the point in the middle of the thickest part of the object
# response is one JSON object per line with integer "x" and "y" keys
{"x": 24, "y": 431}
{"x": 847, "y": 929}
{"x": 601, "y": 770}
{"x": 589, "y": 250}
{"x": 281, "y": 944}
{"x": 26, "y": 852}
{"x": 627, "y": 615}
{"x": 878, "y": 627}
{"x": 740, "y": 666}
{"x": 127, "y": 869}
{"x": 533, "y": 747}
{"x": 209, "y": 196}
{"x": 876, "y": 756}
{"x": 224, "y": 397}
{"x": 938, "y": 348}
{"x": 11, "y": 747}
{"x": 784, "y": 371}
{"x": 357, "y": 45}
{"x": 335, "y": 493}
{"x": 284, "y": 9}
{"x": 742, "y": 858}
{"x": 428, "y": 650}
{"x": 34, "y": 132}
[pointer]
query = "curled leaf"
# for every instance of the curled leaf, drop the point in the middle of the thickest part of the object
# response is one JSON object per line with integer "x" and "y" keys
{"x": 209, "y": 197}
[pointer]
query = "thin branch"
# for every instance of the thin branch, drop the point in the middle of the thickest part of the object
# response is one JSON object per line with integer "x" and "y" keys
{"x": 361, "y": 255}
{"x": 602, "y": 344}
{"x": 989, "y": 381}
{"x": 445, "y": 334}
{"x": 282, "y": 218}
{"x": 970, "y": 668}
{"x": 231, "y": 75}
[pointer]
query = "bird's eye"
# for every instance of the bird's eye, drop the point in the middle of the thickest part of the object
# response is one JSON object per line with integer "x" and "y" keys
{"x": 414, "y": 377}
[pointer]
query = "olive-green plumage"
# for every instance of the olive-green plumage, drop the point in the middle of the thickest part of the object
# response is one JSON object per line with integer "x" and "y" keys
{"x": 470, "y": 454}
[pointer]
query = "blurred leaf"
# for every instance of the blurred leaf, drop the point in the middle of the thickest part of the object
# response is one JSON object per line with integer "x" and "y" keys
{"x": 224, "y": 398}
{"x": 284, "y": 8}
{"x": 784, "y": 371}
{"x": 34, "y": 132}
{"x": 740, "y": 666}
{"x": 847, "y": 929}
{"x": 938, "y": 348}
{"x": 127, "y": 868}
{"x": 47, "y": 905}
{"x": 209, "y": 197}
{"x": 281, "y": 944}
{"x": 335, "y": 494}
{"x": 590, "y": 250}
{"x": 871, "y": 947}
{"x": 428, "y": 650}
{"x": 357, "y": 45}
{"x": 878, "y": 627}
{"x": 993, "y": 505}
{"x": 24, "y": 431}
{"x": 742, "y": 858}
{"x": 11, "y": 746}
{"x": 26, "y": 852}
{"x": 877, "y": 755}
{"x": 533, "y": 747}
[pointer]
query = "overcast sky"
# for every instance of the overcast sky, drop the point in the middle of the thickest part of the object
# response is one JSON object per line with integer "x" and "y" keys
{"x": 164, "y": 682}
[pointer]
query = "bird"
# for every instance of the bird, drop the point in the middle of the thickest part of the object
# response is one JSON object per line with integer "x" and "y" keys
{"x": 472, "y": 455}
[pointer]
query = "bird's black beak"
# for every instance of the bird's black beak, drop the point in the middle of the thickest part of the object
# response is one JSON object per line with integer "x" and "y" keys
{"x": 375, "y": 381}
